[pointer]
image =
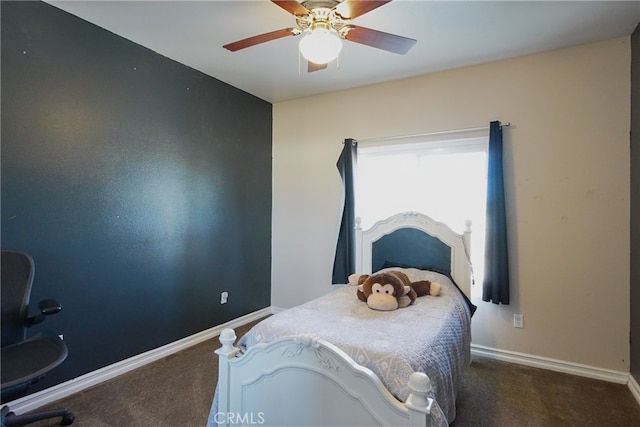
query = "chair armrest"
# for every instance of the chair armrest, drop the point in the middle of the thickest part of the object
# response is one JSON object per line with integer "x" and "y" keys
{"x": 47, "y": 307}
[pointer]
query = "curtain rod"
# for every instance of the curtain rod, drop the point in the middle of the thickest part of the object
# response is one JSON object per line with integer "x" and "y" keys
{"x": 442, "y": 132}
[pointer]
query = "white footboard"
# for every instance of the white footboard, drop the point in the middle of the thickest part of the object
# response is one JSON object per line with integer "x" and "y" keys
{"x": 301, "y": 381}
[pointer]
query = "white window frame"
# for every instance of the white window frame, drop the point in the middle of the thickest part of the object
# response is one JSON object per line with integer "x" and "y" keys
{"x": 440, "y": 143}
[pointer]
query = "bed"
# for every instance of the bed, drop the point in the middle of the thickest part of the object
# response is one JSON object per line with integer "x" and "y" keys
{"x": 335, "y": 362}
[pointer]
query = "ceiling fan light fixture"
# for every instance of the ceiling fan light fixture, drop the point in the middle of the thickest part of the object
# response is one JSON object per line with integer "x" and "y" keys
{"x": 320, "y": 46}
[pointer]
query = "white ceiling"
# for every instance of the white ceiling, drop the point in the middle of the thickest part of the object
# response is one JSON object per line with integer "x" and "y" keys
{"x": 450, "y": 34}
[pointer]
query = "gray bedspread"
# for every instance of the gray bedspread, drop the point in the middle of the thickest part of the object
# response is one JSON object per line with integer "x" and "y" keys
{"x": 433, "y": 336}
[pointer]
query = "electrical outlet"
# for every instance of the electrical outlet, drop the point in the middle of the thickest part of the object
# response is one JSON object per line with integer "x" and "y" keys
{"x": 224, "y": 297}
{"x": 518, "y": 321}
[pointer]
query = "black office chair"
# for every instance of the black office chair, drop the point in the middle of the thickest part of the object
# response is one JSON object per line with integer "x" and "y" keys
{"x": 25, "y": 360}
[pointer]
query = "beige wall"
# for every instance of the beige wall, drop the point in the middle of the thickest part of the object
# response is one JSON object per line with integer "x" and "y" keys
{"x": 567, "y": 172}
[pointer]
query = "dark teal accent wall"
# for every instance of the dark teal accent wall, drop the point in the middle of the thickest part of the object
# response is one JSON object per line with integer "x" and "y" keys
{"x": 141, "y": 187}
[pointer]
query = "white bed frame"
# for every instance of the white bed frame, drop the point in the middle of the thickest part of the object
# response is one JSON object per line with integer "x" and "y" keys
{"x": 309, "y": 382}
{"x": 459, "y": 243}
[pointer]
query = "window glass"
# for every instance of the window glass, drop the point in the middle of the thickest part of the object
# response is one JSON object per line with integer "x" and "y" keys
{"x": 446, "y": 180}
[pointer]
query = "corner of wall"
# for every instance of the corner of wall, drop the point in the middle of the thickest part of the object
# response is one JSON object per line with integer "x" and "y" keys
{"x": 635, "y": 207}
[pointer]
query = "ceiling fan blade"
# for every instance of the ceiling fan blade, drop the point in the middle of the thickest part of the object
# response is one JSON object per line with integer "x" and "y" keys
{"x": 350, "y": 9}
{"x": 262, "y": 38}
{"x": 312, "y": 66}
{"x": 379, "y": 39}
{"x": 292, "y": 6}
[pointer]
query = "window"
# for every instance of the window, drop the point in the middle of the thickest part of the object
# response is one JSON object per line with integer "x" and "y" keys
{"x": 445, "y": 179}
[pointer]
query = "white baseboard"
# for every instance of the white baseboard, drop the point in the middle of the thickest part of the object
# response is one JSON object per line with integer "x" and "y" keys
{"x": 551, "y": 364}
{"x": 44, "y": 397}
{"x": 634, "y": 387}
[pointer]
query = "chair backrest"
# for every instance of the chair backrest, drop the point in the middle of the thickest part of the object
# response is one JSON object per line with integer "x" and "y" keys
{"x": 16, "y": 280}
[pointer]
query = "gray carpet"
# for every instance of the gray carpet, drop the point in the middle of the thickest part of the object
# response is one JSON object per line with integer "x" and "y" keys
{"x": 177, "y": 391}
{"x": 496, "y": 393}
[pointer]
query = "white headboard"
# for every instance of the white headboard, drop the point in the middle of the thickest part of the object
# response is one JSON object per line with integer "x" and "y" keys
{"x": 457, "y": 243}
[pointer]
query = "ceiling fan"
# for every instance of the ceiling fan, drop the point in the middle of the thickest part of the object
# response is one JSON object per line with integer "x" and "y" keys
{"x": 324, "y": 24}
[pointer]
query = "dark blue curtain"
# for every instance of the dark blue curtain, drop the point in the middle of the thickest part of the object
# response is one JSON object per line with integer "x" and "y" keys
{"x": 344, "y": 263}
{"x": 496, "y": 265}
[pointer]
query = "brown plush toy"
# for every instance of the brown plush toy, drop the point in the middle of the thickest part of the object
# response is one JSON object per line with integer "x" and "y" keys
{"x": 392, "y": 289}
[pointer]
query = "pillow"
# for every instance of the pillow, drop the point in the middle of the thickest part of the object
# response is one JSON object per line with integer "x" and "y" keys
{"x": 392, "y": 264}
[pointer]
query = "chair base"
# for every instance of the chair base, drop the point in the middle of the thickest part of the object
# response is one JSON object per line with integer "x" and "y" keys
{"x": 9, "y": 419}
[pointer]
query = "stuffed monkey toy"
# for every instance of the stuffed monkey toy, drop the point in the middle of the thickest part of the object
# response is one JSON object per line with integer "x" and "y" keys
{"x": 390, "y": 290}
